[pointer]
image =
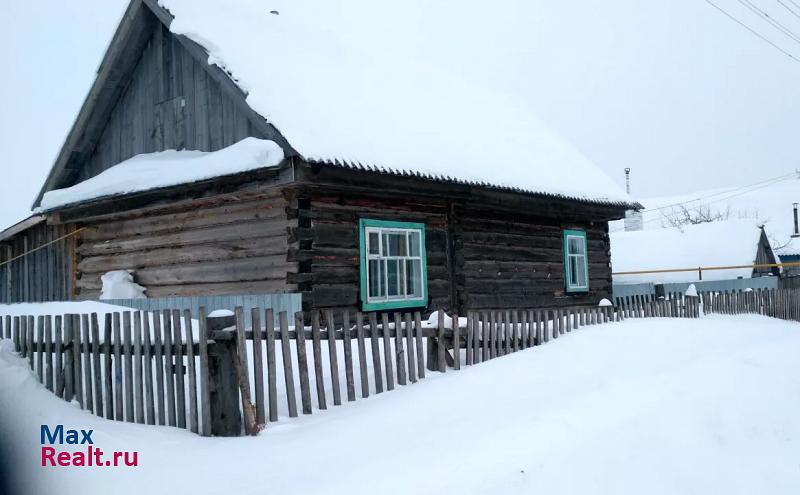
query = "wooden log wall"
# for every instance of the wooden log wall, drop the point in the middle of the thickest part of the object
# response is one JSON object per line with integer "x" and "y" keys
{"x": 43, "y": 275}
{"x": 327, "y": 245}
{"x": 236, "y": 244}
{"x": 505, "y": 261}
{"x": 171, "y": 102}
{"x": 477, "y": 258}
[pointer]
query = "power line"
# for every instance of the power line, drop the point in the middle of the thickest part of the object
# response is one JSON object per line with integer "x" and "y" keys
{"x": 763, "y": 38}
{"x": 759, "y": 12}
{"x": 727, "y": 191}
{"x": 789, "y": 9}
{"x": 708, "y": 203}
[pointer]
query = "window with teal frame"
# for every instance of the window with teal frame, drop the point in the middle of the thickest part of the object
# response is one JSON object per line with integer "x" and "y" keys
{"x": 393, "y": 265}
{"x": 576, "y": 263}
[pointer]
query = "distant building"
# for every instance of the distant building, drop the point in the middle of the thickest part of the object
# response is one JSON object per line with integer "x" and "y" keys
{"x": 732, "y": 243}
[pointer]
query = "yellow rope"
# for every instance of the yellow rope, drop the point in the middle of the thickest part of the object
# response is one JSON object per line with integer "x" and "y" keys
{"x": 43, "y": 246}
{"x": 704, "y": 268}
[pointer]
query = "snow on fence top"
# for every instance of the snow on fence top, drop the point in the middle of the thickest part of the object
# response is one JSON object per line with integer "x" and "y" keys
{"x": 168, "y": 168}
{"x": 371, "y": 104}
{"x": 724, "y": 243}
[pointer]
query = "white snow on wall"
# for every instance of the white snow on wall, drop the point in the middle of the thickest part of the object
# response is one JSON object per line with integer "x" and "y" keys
{"x": 372, "y": 104}
{"x": 733, "y": 242}
{"x": 119, "y": 284}
{"x": 168, "y": 168}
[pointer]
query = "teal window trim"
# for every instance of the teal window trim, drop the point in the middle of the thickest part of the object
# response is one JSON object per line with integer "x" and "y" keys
{"x": 570, "y": 288}
{"x": 365, "y": 223}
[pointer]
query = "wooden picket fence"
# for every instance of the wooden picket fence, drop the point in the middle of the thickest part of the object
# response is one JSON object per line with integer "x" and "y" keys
{"x": 217, "y": 376}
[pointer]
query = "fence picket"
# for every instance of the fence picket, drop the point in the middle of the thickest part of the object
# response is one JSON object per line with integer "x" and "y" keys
{"x": 258, "y": 365}
{"x": 440, "y": 346}
{"x": 272, "y": 371}
{"x": 59, "y": 351}
{"x": 468, "y": 337}
{"x": 362, "y": 358}
{"x": 69, "y": 358}
{"x": 302, "y": 363}
{"x": 180, "y": 388}
{"x": 348, "y": 357}
{"x": 205, "y": 392}
{"x": 192, "y": 372}
{"x": 23, "y": 329}
{"x": 476, "y": 343}
{"x": 127, "y": 346}
{"x": 242, "y": 372}
{"x": 149, "y": 402}
{"x": 16, "y": 333}
{"x": 138, "y": 385}
{"x": 333, "y": 358}
{"x": 48, "y": 342}
{"x": 109, "y": 373}
{"x": 492, "y": 335}
{"x": 317, "y": 351}
{"x": 387, "y": 352}
{"x": 169, "y": 368}
{"x": 399, "y": 350}
{"x": 87, "y": 360}
{"x": 456, "y": 343}
{"x": 158, "y": 354}
{"x": 409, "y": 332}
{"x": 97, "y": 366}
{"x": 288, "y": 374}
{"x": 376, "y": 353}
{"x": 39, "y": 348}
{"x": 73, "y": 370}
{"x": 485, "y": 336}
{"x": 420, "y": 350}
{"x": 119, "y": 412}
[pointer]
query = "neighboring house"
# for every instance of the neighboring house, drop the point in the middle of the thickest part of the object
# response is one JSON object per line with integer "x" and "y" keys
{"x": 789, "y": 256}
{"x": 732, "y": 243}
{"x": 343, "y": 184}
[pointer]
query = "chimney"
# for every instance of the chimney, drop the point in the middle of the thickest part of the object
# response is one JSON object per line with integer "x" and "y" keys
{"x": 627, "y": 180}
{"x": 796, "y": 229}
{"x": 633, "y": 218}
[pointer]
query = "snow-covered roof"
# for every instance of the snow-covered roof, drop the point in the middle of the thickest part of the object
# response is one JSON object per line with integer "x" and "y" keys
{"x": 725, "y": 243}
{"x": 768, "y": 203}
{"x": 367, "y": 104}
{"x": 167, "y": 168}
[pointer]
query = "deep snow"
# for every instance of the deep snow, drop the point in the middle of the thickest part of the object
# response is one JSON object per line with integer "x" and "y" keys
{"x": 645, "y": 406}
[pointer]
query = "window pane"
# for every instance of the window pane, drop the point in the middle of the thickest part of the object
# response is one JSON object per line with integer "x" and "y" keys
{"x": 581, "y": 271}
{"x": 576, "y": 245}
{"x": 393, "y": 272}
{"x": 573, "y": 271}
{"x": 376, "y": 288}
{"x": 414, "y": 240}
{"x": 396, "y": 243}
{"x": 414, "y": 278}
{"x": 373, "y": 240}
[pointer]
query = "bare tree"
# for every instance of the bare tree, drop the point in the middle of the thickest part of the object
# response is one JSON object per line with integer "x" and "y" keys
{"x": 686, "y": 216}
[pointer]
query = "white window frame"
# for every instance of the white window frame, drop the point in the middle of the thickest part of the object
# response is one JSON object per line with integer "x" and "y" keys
{"x": 403, "y": 299}
{"x": 568, "y": 256}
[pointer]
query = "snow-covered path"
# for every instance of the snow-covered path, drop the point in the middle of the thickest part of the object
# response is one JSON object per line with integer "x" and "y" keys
{"x": 646, "y": 406}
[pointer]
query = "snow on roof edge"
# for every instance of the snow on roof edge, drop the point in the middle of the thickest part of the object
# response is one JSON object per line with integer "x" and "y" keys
{"x": 341, "y": 163}
{"x": 166, "y": 169}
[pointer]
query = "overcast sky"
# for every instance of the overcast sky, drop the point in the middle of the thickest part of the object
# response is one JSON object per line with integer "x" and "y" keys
{"x": 673, "y": 89}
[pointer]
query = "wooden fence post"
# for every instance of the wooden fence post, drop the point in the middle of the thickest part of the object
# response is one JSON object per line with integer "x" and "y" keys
{"x": 226, "y": 418}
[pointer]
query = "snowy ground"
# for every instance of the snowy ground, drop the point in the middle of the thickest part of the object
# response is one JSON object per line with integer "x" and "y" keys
{"x": 645, "y": 406}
